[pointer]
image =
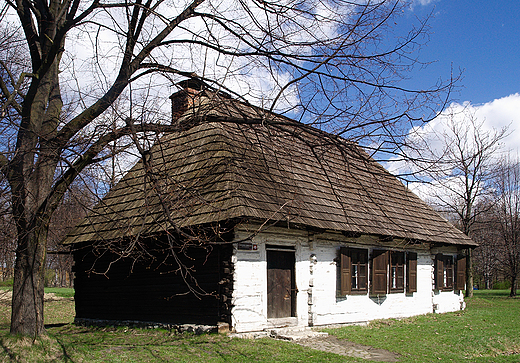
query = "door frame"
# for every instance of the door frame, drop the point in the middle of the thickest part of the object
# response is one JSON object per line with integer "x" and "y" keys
{"x": 290, "y": 252}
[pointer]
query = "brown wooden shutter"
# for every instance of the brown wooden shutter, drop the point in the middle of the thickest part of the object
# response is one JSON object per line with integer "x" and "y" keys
{"x": 379, "y": 272}
{"x": 411, "y": 272}
{"x": 461, "y": 273}
{"x": 345, "y": 271}
{"x": 439, "y": 271}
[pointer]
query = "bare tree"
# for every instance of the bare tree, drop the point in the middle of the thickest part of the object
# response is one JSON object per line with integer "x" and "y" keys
{"x": 7, "y": 239}
{"x": 10, "y": 46}
{"x": 507, "y": 218}
{"x": 334, "y": 63}
{"x": 487, "y": 255}
{"x": 74, "y": 206}
{"x": 459, "y": 162}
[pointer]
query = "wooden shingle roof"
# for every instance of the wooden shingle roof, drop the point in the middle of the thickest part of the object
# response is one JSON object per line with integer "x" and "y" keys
{"x": 221, "y": 167}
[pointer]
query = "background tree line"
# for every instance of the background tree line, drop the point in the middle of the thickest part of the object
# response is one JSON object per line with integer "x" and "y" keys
{"x": 497, "y": 229}
{"x": 466, "y": 174}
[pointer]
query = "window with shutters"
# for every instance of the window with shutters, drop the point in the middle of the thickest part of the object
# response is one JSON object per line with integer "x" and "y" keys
{"x": 444, "y": 271}
{"x": 388, "y": 271}
{"x": 396, "y": 272}
{"x": 353, "y": 271}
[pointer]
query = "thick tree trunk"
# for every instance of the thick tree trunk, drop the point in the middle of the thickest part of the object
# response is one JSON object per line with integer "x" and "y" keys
{"x": 512, "y": 293}
{"x": 27, "y": 305}
{"x": 469, "y": 274}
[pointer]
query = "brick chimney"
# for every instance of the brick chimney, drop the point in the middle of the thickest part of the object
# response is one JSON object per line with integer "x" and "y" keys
{"x": 185, "y": 98}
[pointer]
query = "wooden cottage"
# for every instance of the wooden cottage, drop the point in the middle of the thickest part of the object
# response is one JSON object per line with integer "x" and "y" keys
{"x": 250, "y": 219}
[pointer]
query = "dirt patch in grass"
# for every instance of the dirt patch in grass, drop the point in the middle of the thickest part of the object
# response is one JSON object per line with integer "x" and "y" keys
{"x": 331, "y": 344}
{"x": 7, "y": 295}
{"x": 58, "y": 310}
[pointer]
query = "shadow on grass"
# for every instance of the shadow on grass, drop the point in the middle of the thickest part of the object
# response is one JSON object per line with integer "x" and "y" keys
{"x": 58, "y": 325}
{"x": 64, "y": 351}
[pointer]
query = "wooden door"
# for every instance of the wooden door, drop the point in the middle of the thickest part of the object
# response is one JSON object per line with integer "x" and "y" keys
{"x": 281, "y": 287}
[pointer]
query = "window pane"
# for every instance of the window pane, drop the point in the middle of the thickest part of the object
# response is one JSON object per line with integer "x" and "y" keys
{"x": 362, "y": 282}
{"x": 353, "y": 268}
{"x": 354, "y": 276}
{"x": 363, "y": 271}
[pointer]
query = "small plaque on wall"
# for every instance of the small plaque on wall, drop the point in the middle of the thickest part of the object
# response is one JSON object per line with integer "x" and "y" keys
{"x": 247, "y": 246}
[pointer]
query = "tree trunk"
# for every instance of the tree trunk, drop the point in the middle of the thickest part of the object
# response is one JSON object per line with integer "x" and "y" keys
{"x": 513, "y": 287}
{"x": 469, "y": 274}
{"x": 27, "y": 313}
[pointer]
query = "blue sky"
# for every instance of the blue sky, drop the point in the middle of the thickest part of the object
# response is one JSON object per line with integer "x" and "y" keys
{"x": 481, "y": 38}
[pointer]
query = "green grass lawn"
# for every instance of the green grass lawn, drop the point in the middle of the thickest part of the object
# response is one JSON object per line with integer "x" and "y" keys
{"x": 487, "y": 331}
{"x": 60, "y": 291}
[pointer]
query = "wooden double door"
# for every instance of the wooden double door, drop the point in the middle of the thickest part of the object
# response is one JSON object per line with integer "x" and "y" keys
{"x": 281, "y": 284}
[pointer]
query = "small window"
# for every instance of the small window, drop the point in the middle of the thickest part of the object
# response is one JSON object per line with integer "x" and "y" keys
{"x": 444, "y": 272}
{"x": 396, "y": 278}
{"x": 353, "y": 270}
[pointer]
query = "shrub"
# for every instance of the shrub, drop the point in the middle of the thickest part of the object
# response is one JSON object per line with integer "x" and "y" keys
{"x": 502, "y": 285}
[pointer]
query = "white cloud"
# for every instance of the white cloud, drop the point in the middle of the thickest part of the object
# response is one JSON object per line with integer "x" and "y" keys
{"x": 94, "y": 52}
{"x": 500, "y": 113}
{"x": 492, "y": 116}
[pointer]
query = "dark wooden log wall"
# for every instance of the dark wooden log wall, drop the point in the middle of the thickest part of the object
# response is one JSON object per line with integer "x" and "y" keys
{"x": 153, "y": 291}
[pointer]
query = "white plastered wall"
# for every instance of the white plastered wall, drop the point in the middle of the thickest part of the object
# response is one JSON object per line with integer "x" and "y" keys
{"x": 446, "y": 301}
{"x": 250, "y": 278}
{"x": 333, "y": 309}
{"x": 317, "y": 302}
